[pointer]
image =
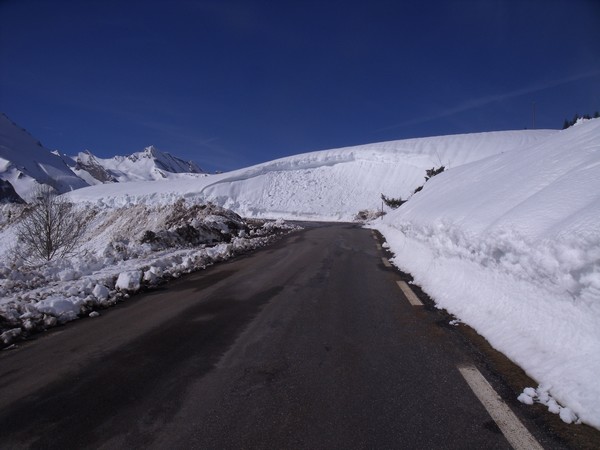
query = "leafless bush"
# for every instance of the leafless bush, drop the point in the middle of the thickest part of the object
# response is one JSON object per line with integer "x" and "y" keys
{"x": 366, "y": 215}
{"x": 51, "y": 227}
{"x": 392, "y": 202}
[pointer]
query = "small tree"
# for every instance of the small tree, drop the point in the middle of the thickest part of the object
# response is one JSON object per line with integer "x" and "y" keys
{"x": 433, "y": 172}
{"x": 392, "y": 202}
{"x": 50, "y": 228}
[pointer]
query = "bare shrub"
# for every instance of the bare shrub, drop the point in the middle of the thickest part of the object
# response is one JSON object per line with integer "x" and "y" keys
{"x": 392, "y": 202}
{"x": 50, "y": 227}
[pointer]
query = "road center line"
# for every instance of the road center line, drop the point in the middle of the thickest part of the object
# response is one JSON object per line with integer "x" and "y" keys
{"x": 386, "y": 262}
{"x": 410, "y": 295}
{"x": 514, "y": 431}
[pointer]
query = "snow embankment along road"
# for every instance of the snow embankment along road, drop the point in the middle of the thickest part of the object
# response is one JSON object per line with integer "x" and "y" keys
{"x": 511, "y": 246}
{"x": 324, "y": 185}
{"x": 123, "y": 250}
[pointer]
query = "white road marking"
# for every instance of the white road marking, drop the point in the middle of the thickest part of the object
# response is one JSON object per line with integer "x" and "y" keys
{"x": 514, "y": 431}
{"x": 386, "y": 263}
{"x": 410, "y": 295}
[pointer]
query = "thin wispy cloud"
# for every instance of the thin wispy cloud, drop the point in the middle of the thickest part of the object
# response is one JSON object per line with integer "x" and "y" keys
{"x": 486, "y": 100}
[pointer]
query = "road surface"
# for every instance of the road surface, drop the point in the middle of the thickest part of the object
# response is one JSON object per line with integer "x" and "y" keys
{"x": 308, "y": 343}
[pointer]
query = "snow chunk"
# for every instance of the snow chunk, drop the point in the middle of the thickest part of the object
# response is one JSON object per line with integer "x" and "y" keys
{"x": 567, "y": 415}
{"x": 129, "y": 281}
{"x": 530, "y": 392}
{"x": 530, "y": 395}
{"x": 8, "y": 336}
{"x": 68, "y": 275}
{"x": 63, "y": 309}
{"x": 101, "y": 292}
{"x": 524, "y": 398}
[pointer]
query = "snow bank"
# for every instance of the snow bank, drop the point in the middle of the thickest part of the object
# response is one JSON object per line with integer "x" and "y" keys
{"x": 324, "y": 185}
{"x": 511, "y": 246}
{"x": 337, "y": 184}
{"x": 126, "y": 250}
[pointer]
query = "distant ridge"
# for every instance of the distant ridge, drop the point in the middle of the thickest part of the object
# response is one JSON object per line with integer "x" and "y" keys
{"x": 25, "y": 163}
{"x": 147, "y": 165}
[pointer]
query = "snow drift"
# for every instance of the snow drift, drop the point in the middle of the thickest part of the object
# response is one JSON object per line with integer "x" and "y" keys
{"x": 324, "y": 185}
{"x": 511, "y": 246}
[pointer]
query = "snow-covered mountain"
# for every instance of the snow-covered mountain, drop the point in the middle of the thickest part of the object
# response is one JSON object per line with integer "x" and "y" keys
{"x": 25, "y": 163}
{"x": 147, "y": 165}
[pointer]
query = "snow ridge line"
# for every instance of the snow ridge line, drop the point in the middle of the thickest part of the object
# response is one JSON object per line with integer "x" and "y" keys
{"x": 282, "y": 165}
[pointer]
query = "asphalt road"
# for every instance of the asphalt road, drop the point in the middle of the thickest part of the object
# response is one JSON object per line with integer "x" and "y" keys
{"x": 306, "y": 344}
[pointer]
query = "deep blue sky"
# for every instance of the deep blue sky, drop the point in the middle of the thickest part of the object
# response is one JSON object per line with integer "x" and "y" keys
{"x": 233, "y": 83}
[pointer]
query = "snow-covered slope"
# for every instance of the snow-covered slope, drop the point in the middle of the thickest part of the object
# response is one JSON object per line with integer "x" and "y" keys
{"x": 329, "y": 184}
{"x": 511, "y": 245}
{"x": 25, "y": 163}
{"x": 149, "y": 164}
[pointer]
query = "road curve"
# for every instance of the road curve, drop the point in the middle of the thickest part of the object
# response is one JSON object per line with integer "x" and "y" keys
{"x": 309, "y": 343}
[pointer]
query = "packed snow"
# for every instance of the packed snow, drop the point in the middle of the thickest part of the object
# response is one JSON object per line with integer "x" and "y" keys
{"x": 324, "y": 185}
{"x": 507, "y": 239}
{"x": 511, "y": 246}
